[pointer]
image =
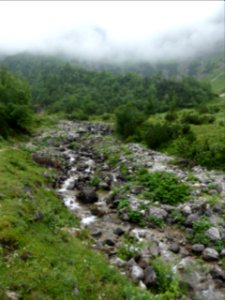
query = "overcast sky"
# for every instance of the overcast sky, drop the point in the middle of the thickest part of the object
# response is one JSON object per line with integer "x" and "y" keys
{"x": 120, "y": 30}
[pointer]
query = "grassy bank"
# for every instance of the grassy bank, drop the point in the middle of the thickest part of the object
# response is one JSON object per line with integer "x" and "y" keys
{"x": 38, "y": 258}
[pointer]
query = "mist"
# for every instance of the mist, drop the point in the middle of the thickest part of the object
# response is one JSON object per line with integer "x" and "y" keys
{"x": 115, "y": 31}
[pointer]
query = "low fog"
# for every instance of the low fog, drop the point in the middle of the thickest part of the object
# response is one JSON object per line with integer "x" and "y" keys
{"x": 113, "y": 31}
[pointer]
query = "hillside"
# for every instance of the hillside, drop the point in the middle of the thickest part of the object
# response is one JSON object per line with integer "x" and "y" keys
{"x": 89, "y": 213}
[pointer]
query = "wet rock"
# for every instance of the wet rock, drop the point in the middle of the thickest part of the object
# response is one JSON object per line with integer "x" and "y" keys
{"x": 96, "y": 233}
{"x": 109, "y": 242}
{"x": 198, "y": 248}
{"x": 210, "y": 254}
{"x": 87, "y": 195}
{"x": 150, "y": 278}
{"x": 98, "y": 211}
{"x": 118, "y": 231}
{"x": 158, "y": 212}
{"x": 213, "y": 234}
{"x": 175, "y": 248}
{"x": 137, "y": 273}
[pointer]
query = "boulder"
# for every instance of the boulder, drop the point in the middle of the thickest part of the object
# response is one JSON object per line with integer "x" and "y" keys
{"x": 150, "y": 277}
{"x": 198, "y": 248}
{"x": 217, "y": 273}
{"x": 175, "y": 248}
{"x": 137, "y": 273}
{"x": 118, "y": 231}
{"x": 213, "y": 234}
{"x": 87, "y": 195}
{"x": 158, "y": 212}
{"x": 210, "y": 254}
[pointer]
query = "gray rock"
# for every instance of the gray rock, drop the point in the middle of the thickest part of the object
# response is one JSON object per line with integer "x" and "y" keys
{"x": 116, "y": 261}
{"x": 137, "y": 273}
{"x": 210, "y": 254}
{"x": 118, "y": 231}
{"x": 186, "y": 210}
{"x": 213, "y": 234}
{"x": 191, "y": 219}
{"x": 222, "y": 253}
{"x": 158, "y": 212}
{"x": 96, "y": 233}
{"x": 109, "y": 242}
{"x": 217, "y": 273}
{"x": 197, "y": 248}
{"x": 87, "y": 195}
{"x": 150, "y": 277}
{"x": 175, "y": 248}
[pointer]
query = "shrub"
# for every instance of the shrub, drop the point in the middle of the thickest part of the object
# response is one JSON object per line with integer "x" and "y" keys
{"x": 128, "y": 118}
{"x": 136, "y": 217}
{"x": 164, "y": 187}
{"x": 123, "y": 203}
{"x": 167, "y": 281}
{"x": 199, "y": 228}
{"x": 157, "y": 134}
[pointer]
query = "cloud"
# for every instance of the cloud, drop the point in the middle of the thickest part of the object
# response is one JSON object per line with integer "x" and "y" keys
{"x": 95, "y": 31}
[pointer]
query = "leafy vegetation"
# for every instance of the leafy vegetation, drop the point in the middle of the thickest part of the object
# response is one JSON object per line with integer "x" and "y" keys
{"x": 79, "y": 93}
{"x": 15, "y": 104}
{"x": 164, "y": 187}
{"x": 199, "y": 228}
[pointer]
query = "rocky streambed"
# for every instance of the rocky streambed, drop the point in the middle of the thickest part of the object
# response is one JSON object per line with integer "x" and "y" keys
{"x": 97, "y": 182}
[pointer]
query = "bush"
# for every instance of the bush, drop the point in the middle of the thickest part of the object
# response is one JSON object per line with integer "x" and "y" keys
{"x": 196, "y": 119}
{"x": 199, "y": 228}
{"x": 164, "y": 187}
{"x": 15, "y": 104}
{"x": 157, "y": 134}
{"x": 128, "y": 118}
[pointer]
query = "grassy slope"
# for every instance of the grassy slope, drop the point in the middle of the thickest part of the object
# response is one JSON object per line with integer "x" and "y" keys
{"x": 214, "y": 133}
{"x": 38, "y": 260}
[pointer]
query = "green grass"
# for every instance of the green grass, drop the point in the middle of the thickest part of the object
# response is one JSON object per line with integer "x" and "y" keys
{"x": 39, "y": 260}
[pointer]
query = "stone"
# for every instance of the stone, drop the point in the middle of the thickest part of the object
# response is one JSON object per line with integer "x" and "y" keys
{"x": 137, "y": 273}
{"x": 175, "y": 248}
{"x": 217, "y": 273}
{"x": 154, "y": 250}
{"x": 12, "y": 295}
{"x": 191, "y": 219}
{"x": 109, "y": 242}
{"x": 213, "y": 234}
{"x": 222, "y": 253}
{"x": 186, "y": 210}
{"x": 116, "y": 261}
{"x": 118, "y": 231}
{"x": 142, "y": 285}
{"x": 210, "y": 254}
{"x": 150, "y": 277}
{"x": 158, "y": 212}
{"x": 96, "y": 233}
{"x": 87, "y": 195}
{"x": 198, "y": 248}
{"x": 137, "y": 190}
